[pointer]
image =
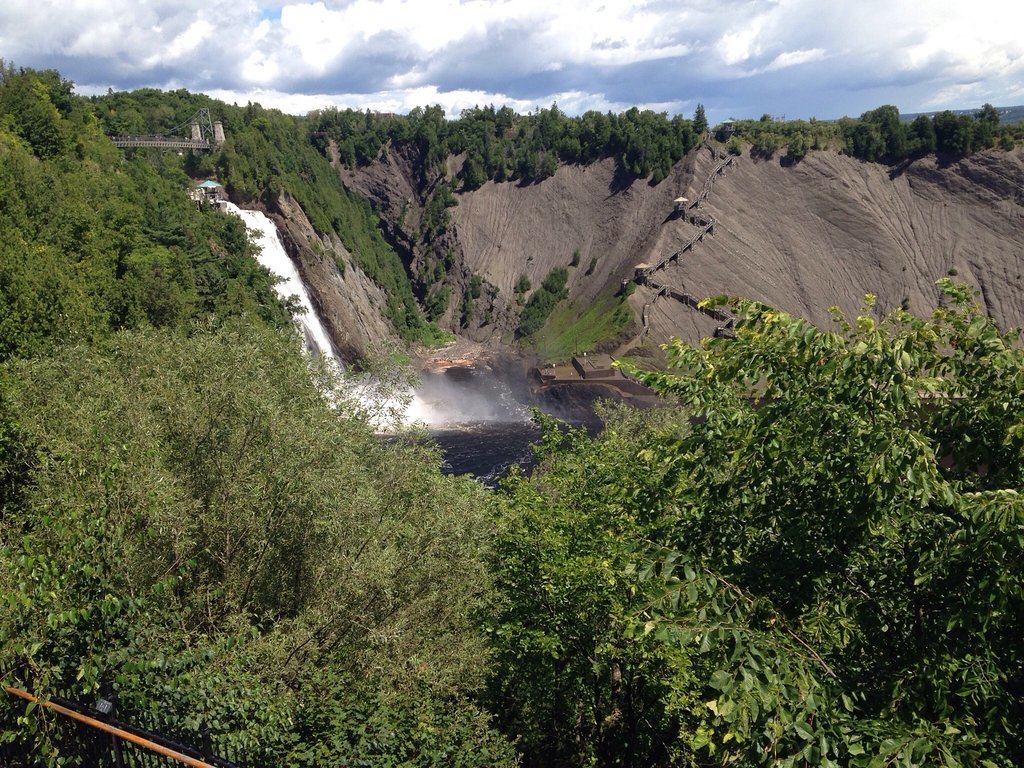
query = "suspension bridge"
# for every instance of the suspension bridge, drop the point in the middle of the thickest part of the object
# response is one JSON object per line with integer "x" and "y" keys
{"x": 204, "y": 134}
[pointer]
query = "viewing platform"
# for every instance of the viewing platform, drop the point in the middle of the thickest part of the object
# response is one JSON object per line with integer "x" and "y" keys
{"x": 596, "y": 370}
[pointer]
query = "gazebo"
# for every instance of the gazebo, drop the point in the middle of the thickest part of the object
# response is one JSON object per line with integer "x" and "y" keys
{"x": 211, "y": 189}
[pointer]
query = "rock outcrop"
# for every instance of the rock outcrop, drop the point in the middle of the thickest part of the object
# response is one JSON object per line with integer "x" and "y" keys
{"x": 351, "y": 306}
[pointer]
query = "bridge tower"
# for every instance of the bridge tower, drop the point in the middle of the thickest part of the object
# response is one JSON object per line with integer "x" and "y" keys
{"x": 203, "y": 127}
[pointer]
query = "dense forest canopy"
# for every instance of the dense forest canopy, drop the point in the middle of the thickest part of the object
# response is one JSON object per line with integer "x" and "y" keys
{"x": 811, "y": 555}
{"x": 192, "y": 528}
{"x": 92, "y": 243}
{"x": 266, "y": 153}
{"x": 878, "y": 135}
{"x": 500, "y": 145}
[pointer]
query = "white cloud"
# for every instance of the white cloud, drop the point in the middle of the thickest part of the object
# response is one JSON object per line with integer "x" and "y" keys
{"x": 740, "y": 45}
{"x": 259, "y": 69}
{"x": 557, "y": 34}
{"x": 453, "y": 102}
{"x": 189, "y": 40}
{"x": 525, "y": 52}
{"x": 794, "y": 58}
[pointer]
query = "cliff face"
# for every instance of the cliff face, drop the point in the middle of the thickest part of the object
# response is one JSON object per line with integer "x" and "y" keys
{"x": 508, "y": 230}
{"x": 802, "y": 236}
{"x": 501, "y": 232}
{"x": 350, "y": 305}
{"x": 829, "y": 229}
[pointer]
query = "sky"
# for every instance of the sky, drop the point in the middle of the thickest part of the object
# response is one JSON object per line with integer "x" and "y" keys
{"x": 739, "y": 58}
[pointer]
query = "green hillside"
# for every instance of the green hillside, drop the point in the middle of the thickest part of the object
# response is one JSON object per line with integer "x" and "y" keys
{"x": 265, "y": 153}
{"x": 187, "y": 523}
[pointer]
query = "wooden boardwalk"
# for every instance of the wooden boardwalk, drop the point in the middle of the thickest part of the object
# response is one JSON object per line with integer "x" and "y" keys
{"x": 643, "y": 275}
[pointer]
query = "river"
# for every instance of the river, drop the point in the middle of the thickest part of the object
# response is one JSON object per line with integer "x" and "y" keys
{"x": 482, "y": 419}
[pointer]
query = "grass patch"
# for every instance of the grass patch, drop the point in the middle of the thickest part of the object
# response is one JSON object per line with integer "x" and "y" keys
{"x": 566, "y": 333}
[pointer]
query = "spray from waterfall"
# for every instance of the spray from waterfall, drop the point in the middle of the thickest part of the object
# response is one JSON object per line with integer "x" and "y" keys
{"x": 472, "y": 414}
{"x": 456, "y": 397}
{"x": 272, "y": 255}
{"x": 466, "y": 396}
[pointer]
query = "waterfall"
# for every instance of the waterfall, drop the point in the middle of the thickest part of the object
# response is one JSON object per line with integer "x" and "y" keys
{"x": 441, "y": 400}
{"x": 273, "y": 256}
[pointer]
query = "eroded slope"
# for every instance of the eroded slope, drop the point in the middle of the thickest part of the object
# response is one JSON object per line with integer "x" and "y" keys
{"x": 802, "y": 236}
{"x": 830, "y": 229}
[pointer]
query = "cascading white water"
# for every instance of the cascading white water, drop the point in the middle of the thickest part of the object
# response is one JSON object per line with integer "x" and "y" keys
{"x": 273, "y": 256}
{"x": 475, "y": 418}
{"x": 442, "y": 400}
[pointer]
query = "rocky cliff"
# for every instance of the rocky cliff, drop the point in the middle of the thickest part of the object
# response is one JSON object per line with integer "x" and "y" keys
{"x": 829, "y": 229}
{"x": 801, "y": 236}
{"x": 350, "y": 305}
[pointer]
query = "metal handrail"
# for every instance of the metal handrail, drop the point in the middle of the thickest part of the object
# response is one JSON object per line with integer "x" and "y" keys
{"x": 156, "y": 743}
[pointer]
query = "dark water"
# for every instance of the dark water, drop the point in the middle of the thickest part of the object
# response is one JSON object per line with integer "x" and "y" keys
{"x": 486, "y": 450}
{"x": 481, "y": 419}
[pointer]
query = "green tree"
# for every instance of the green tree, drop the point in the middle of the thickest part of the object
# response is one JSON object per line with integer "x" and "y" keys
{"x": 843, "y": 554}
{"x": 437, "y": 302}
{"x": 921, "y": 135}
{"x": 473, "y": 174}
{"x": 199, "y": 532}
{"x": 866, "y": 142}
{"x": 700, "y": 121}
{"x": 543, "y": 301}
{"x": 27, "y": 97}
{"x": 954, "y": 134}
{"x": 891, "y": 130}
{"x": 570, "y": 683}
{"x": 797, "y": 148}
{"x": 986, "y": 127}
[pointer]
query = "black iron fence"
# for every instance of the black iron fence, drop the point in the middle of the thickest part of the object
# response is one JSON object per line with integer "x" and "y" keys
{"x": 95, "y": 735}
